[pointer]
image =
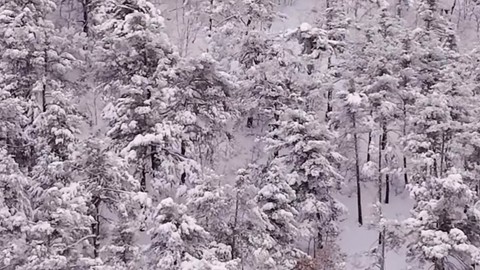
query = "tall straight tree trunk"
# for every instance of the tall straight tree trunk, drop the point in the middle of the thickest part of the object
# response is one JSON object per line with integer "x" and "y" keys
{"x": 357, "y": 171}
{"x": 368, "y": 146}
{"x": 435, "y": 167}
{"x": 405, "y": 174}
{"x": 96, "y": 227}
{"x": 382, "y": 250}
{"x": 387, "y": 189}
{"x": 210, "y": 21}
{"x": 442, "y": 155}
{"x": 369, "y": 158}
{"x": 143, "y": 180}
{"x": 234, "y": 229}
{"x": 183, "y": 150}
{"x": 381, "y": 234}
{"x": 329, "y": 66}
{"x": 44, "y": 89}
{"x": 380, "y": 182}
{"x": 86, "y": 9}
{"x": 329, "y": 104}
{"x": 387, "y": 177}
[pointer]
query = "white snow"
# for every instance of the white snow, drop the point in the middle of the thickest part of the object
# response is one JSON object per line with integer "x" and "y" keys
{"x": 354, "y": 99}
{"x": 304, "y": 27}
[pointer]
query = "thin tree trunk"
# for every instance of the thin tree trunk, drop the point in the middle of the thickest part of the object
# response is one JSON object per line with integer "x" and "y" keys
{"x": 308, "y": 247}
{"x": 234, "y": 231}
{"x": 381, "y": 234}
{"x": 405, "y": 174}
{"x": 380, "y": 182}
{"x": 399, "y": 8}
{"x": 357, "y": 171}
{"x": 439, "y": 265}
{"x": 442, "y": 155}
{"x": 44, "y": 98}
{"x": 96, "y": 227}
{"x": 329, "y": 104}
{"x": 369, "y": 143}
{"x": 183, "y": 177}
{"x": 382, "y": 250}
{"x": 368, "y": 146}
{"x": 86, "y": 6}
{"x": 387, "y": 177}
{"x": 387, "y": 189}
{"x": 329, "y": 66}
{"x": 44, "y": 90}
{"x": 143, "y": 179}
{"x": 210, "y": 21}
{"x": 249, "y": 122}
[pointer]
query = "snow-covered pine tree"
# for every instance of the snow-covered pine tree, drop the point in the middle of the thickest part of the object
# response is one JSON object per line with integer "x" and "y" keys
{"x": 194, "y": 100}
{"x": 305, "y": 149}
{"x": 15, "y": 213}
{"x": 379, "y": 72}
{"x": 436, "y": 117}
{"x": 133, "y": 48}
{"x": 197, "y": 95}
{"x": 113, "y": 192}
{"x": 179, "y": 243}
{"x": 440, "y": 232}
{"x": 266, "y": 83}
{"x": 231, "y": 24}
{"x": 60, "y": 203}
{"x": 239, "y": 40}
{"x": 276, "y": 199}
{"x": 209, "y": 203}
{"x": 38, "y": 62}
{"x": 23, "y": 35}
{"x": 407, "y": 92}
{"x": 465, "y": 146}
{"x": 249, "y": 229}
{"x": 381, "y": 79}
{"x": 24, "y": 32}
{"x": 336, "y": 26}
{"x": 12, "y": 122}
{"x": 350, "y": 119}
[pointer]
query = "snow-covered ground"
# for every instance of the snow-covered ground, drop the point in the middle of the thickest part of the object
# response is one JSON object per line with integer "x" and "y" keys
{"x": 358, "y": 241}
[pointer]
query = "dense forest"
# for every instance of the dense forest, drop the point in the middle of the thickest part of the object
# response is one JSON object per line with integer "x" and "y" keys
{"x": 219, "y": 135}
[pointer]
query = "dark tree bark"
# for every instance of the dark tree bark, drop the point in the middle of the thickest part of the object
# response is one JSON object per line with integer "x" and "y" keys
{"x": 183, "y": 150}
{"x": 384, "y": 142}
{"x": 86, "y": 19}
{"x": 96, "y": 226}
{"x": 250, "y": 122}
{"x": 234, "y": 229}
{"x": 357, "y": 172}
{"x": 405, "y": 174}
